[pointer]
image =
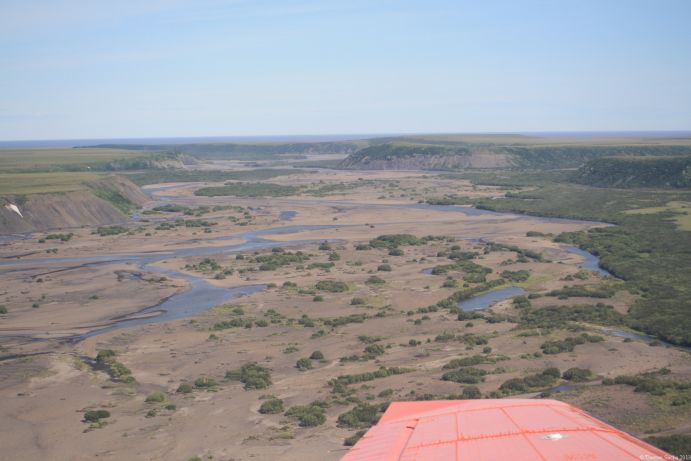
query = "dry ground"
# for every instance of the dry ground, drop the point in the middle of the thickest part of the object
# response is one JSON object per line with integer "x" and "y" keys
{"x": 45, "y": 395}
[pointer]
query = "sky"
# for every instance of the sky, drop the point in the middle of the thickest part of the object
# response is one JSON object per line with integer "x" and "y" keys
{"x": 72, "y": 69}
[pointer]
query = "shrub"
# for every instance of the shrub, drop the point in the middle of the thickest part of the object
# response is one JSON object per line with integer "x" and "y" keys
{"x": 568, "y": 344}
{"x": 362, "y": 415}
{"x": 3, "y": 310}
{"x": 577, "y": 374}
{"x": 271, "y": 406}
{"x": 374, "y": 280}
{"x": 467, "y": 375}
{"x": 678, "y": 444}
{"x": 317, "y": 355}
{"x": 352, "y": 440}
{"x": 252, "y": 375}
{"x": 384, "y": 268}
{"x": 471, "y": 392}
{"x": 308, "y": 415}
{"x": 184, "y": 388}
{"x": 155, "y": 397}
{"x": 93, "y": 416}
{"x": 303, "y": 364}
{"x": 396, "y": 252}
{"x": 204, "y": 382}
{"x": 331, "y": 286}
{"x": 318, "y": 299}
{"x": 357, "y": 301}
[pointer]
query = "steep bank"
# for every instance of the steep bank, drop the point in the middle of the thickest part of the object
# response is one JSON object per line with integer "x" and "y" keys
{"x": 410, "y": 156}
{"x": 105, "y": 201}
{"x": 668, "y": 172}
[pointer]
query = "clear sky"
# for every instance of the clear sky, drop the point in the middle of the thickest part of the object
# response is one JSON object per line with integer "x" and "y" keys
{"x": 147, "y": 68}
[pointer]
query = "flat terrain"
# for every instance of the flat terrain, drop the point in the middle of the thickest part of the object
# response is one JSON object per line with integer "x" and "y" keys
{"x": 331, "y": 287}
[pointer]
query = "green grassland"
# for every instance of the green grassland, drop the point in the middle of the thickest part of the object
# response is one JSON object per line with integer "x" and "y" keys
{"x": 40, "y": 183}
{"x": 44, "y": 160}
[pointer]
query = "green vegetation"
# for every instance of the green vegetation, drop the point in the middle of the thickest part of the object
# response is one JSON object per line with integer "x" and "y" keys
{"x": 110, "y": 230}
{"x": 352, "y": 440}
{"x": 465, "y": 375}
{"x": 244, "y": 151}
{"x": 636, "y": 172}
{"x": 110, "y": 194}
{"x": 61, "y": 237}
{"x": 278, "y": 259}
{"x": 560, "y": 316}
{"x": 469, "y": 361}
{"x": 331, "y": 286}
{"x": 204, "y": 382}
{"x": 3, "y": 310}
{"x": 308, "y": 415}
{"x": 362, "y": 415}
{"x": 568, "y": 344}
{"x": 155, "y": 397}
{"x": 530, "y": 154}
{"x": 246, "y": 189}
{"x": 54, "y": 160}
{"x": 547, "y": 378}
{"x": 317, "y": 355}
{"x": 392, "y": 241}
{"x": 117, "y": 371}
{"x": 382, "y": 372}
{"x": 577, "y": 375}
{"x": 184, "y": 388}
{"x": 252, "y": 375}
{"x": 271, "y": 406}
{"x": 374, "y": 280}
{"x": 95, "y": 416}
{"x": 580, "y": 291}
{"x": 656, "y": 383}
{"x": 678, "y": 445}
{"x": 303, "y": 364}
{"x": 646, "y": 250}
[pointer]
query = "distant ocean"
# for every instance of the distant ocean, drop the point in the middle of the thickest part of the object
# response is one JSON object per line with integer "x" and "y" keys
{"x": 45, "y": 143}
{"x": 185, "y": 140}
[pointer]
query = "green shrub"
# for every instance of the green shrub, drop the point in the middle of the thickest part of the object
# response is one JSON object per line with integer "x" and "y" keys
{"x": 384, "y": 268}
{"x": 468, "y": 375}
{"x": 204, "y": 382}
{"x": 303, "y": 364}
{"x": 357, "y": 301}
{"x": 577, "y": 375}
{"x": 3, "y": 310}
{"x": 184, "y": 388}
{"x": 94, "y": 416}
{"x": 362, "y": 415}
{"x": 271, "y": 406}
{"x": 331, "y": 286}
{"x": 252, "y": 375}
{"x": 317, "y": 355}
{"x": 352, "y": 440}
{"x": 568, "y": 344}
{"x": 471, "y": 392}
{"x": 155, "y": 397}
{"x": 318, "y": 299}
{"x": 374, "y": 280}
{"x": 308, "y": 415}
{"x": 678, "y": 445}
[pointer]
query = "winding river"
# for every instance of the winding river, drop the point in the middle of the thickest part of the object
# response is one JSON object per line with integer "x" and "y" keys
{"x": 201, "y": 295}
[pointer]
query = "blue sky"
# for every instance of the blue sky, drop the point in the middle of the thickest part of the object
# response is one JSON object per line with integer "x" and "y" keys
{"x": 90, "y": 69}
